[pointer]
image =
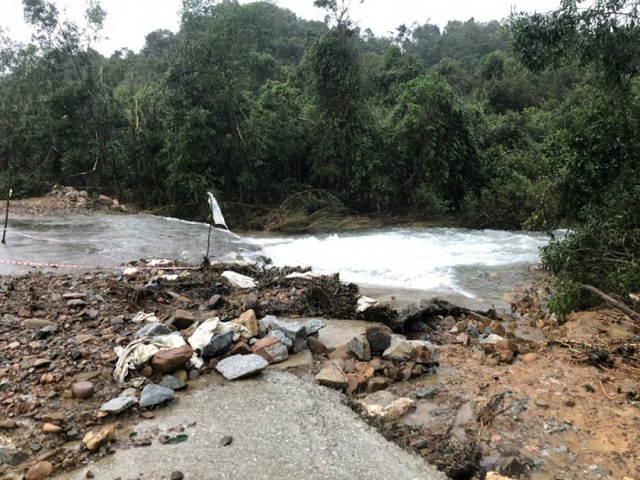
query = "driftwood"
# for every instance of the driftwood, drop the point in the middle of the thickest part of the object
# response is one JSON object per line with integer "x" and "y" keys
{"x": 628, "y": 311}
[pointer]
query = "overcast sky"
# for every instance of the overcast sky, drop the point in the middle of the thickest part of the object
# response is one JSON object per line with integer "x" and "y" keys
{"x": 128, "y": 21}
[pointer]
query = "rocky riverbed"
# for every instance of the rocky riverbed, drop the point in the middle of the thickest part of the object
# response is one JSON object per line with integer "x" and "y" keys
{"x": 516, "y": 393}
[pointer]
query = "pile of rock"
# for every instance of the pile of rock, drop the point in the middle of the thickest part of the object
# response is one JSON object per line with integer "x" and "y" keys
{"x": 370, "y": 362}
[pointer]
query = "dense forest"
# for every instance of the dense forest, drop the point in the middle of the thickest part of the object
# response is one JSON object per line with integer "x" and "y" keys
{"x": 533, "y": 123}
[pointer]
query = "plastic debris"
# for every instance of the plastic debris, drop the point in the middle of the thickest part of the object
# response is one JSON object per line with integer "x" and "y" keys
{"x": 239, "y": 281}
{"x": 302, "y": 276}
{"x": 142, "y": 317}
{"x": 365, "y": 303}
{"x": 139, "y": 352}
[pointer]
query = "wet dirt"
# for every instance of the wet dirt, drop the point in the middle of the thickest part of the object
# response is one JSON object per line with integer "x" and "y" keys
{"x": 559, "y": 415}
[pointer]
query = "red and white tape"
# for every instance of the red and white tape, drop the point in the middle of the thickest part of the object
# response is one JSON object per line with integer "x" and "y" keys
{"x": 42, "y": 239}
{"x": 92, "y": 267}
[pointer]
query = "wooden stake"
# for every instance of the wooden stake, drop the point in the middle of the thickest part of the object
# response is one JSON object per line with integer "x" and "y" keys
{"x": 6, "y": 217}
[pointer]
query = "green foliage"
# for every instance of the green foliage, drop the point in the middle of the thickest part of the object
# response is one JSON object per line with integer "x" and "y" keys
{"x": 437, "y": 161}
{"x": 566, "y": 298}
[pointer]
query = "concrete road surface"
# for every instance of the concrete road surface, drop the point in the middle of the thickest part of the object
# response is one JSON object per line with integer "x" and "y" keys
{"x": 283, "y": 427}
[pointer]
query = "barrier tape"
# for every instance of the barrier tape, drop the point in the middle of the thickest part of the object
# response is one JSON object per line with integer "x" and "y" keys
{"x": 84, "y": 267}
{"x": 42, "y": 239}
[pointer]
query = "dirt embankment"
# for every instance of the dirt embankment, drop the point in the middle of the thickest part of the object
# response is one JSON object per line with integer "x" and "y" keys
{"x": 64, "y": 201}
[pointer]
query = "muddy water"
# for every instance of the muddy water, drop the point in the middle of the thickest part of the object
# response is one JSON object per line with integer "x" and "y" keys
{"x": 463, "y": 264}
{"x": 108, "y": 240}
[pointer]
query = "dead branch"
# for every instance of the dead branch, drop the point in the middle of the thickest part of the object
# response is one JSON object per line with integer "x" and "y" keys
{"x": 613, "y": 302}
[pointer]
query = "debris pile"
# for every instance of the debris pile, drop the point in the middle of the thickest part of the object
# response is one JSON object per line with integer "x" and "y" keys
{"x": 81, "y": 350}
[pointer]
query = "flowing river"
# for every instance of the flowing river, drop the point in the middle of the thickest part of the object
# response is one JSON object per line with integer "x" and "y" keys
{"x": 472, "y": 263}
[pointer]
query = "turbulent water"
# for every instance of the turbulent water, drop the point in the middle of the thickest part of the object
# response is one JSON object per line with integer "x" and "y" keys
{"x": 434, "y": 259}
{"x": 473, "y": 263}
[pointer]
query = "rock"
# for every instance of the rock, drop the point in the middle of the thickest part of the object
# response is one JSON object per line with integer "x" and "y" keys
{"x": 512, "y": 467}
{"x": 541, "y": 403}
{"x": 529, "y": 358}
{"x": 12, "y": 457}
{"x": 265, "y": 324}
{"x": 172, "y": 383}
{"x": 37, "y": 323}
{"x": 181, "y": 375}
{"x": 400, "y": 350}
{"x": 119, "y": 404}
{"x": 153, "y": 395}
{"x": 183, "y": 319}
{"x": 249, "y": 321}
{"x": 51, "y": 428}
{"x": 153, "y": 329}
{"x": 218, "y": 345}
{"x": 496, "y": 476}
{"x": 172, "y": 359}
{"x": 316, "y": 346}
{"x": 259, "y": 348}
{"x": 377, "y": 383}
{"x": 379, "y": 338}
{"x": 506, "y": 344}
{"x": 41, "y": 362}
{"x": 8, "y": 424}
{"x": 226, "y": 441}
{"x": 363, "y": 368}
{"x": 313, "y": 326}
{"x": 360, "y": 347}
{"x": 239, "y": 348}
{"x": 177, "y": 475}
{"x": 83, "y": 390}
{"x": 384, "y": 405}
{"x": 506, "y": 356}
{"x": 428, "y": 392}
{"x": 241, "y": 366}
{"x": 282, "y": 337}
{"x": 251, "y": 303}
{"x": 39, "y": 471}
{"x": 354, "y": 382}
{"x": 290, "y": 329}
{"x": 86, "y": 376}
{"x": 377, "y": 364}
{"x": 97, "y": 438}
{"x": 299, "y": 344}
{"x": 213, "y": 301}
{"x": 76, "y": 303}
{"x": 424, "y": 354}
{"x": 9, "y": 319}
{"x": 277, "y": 352}
{"x": 45, "y": 332}
{"x": 497, "y": 328}
{"x": 332, "y": 376}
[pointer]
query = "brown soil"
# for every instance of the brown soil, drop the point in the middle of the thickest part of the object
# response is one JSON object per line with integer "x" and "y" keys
{"x": 64, "y": 201}
{"x": 572, "y": 413}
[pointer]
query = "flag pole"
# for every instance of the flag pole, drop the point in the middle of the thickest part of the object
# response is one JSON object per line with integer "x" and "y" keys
{"x": 6, "y": 216}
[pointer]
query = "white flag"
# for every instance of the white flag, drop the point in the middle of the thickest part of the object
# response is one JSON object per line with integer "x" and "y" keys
{"x": 218, "y": 219}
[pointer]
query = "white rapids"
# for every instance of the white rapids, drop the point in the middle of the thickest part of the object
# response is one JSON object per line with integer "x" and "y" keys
{"x": 428, "y": 259}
